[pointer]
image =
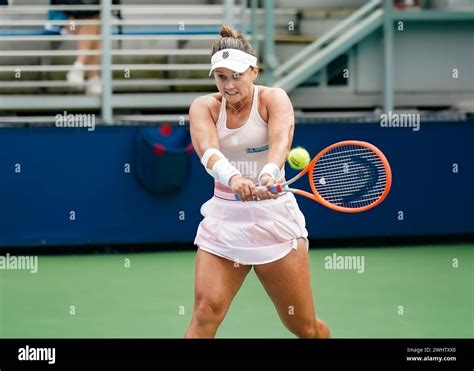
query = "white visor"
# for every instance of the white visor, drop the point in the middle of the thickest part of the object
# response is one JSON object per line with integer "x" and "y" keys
{"x": 233, "y": 59}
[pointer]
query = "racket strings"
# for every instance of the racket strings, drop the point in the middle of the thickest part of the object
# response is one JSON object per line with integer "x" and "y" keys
{"x": 350, "y": 176}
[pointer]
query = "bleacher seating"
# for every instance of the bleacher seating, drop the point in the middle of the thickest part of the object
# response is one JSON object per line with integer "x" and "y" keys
{"x": 160, "y": 56}
{"x": 168, "y": 53}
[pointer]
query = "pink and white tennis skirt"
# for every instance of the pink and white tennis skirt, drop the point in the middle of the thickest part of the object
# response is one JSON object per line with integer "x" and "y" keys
{"x": 250, "y": 233}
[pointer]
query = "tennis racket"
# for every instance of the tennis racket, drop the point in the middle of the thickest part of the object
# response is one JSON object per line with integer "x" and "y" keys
{"x": 349, "y": 176}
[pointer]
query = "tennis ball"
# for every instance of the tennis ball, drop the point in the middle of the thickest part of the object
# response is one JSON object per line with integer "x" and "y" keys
{"x": 298, "y": 158}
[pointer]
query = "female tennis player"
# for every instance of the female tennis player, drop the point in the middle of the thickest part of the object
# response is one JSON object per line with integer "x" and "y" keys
{"x": 243, "y": 134}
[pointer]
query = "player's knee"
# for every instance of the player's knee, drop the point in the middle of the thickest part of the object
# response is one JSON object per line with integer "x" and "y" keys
{"x": 209, "y": 312}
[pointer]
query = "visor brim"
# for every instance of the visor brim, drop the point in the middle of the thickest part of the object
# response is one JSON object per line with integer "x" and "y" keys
{"x": 235, "y": 66}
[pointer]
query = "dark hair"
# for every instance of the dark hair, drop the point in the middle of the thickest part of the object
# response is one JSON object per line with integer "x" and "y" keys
{"x": 231, "y": 39}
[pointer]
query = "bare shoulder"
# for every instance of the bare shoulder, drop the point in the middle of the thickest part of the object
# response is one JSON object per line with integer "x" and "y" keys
{"x": 271, "y": 100}
{"x": 206, "y": 103}
{"x": 270, "y": 93}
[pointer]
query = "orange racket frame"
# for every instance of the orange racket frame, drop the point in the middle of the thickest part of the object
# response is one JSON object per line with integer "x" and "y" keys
{"x": 318, "y": 198}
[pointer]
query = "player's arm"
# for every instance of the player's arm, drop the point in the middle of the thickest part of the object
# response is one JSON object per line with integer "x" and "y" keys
{"x": 281, "y": 125}
{"x": 206, "y": 143}
{"x": 281, "y": 120}
{"x": 203, "y": 130}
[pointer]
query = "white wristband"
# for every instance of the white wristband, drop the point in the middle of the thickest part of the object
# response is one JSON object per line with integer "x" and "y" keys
{"x": 223, "y": 171}
{"x": 271, "y": 169}
{"x": 207, "y": 155}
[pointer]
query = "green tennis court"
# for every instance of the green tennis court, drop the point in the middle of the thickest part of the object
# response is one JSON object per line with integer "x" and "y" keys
{"x": 401, "y": 292}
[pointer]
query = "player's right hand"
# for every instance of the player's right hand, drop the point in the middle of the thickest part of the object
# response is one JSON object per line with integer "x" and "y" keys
{"x": 244, "y": 188}
{"x": 263, "y": 192}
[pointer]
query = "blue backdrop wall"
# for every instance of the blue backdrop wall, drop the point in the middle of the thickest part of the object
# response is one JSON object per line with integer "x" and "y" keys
{"x": 61, "y": 186}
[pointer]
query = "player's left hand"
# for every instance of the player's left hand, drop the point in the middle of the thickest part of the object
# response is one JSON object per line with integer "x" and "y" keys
{"x": 264, "y": 193}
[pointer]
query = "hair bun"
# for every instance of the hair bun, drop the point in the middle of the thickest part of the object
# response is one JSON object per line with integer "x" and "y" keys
{"x": 227, "y": 31}
{"x": 232, "y": 39}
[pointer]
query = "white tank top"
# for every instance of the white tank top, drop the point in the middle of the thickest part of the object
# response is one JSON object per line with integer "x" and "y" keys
{"x": 247, "y": 146}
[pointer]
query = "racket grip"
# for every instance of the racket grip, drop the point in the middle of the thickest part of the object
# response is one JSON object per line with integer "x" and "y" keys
{"x": 273, "y": 190}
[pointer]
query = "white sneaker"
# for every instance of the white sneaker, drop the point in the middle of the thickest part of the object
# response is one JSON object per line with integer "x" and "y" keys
{"x": 94, "y": 86}
{"x": 76, "y": 75}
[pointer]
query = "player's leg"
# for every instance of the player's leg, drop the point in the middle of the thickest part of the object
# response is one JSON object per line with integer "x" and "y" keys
{"x": 217, "y": 280}
{"x": 287, "y": 282}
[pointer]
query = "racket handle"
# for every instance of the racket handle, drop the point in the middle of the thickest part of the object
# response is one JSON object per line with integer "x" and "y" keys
{"x": 273, "y": 190}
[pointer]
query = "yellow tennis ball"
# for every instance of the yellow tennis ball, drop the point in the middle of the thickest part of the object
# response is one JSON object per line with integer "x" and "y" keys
{"x": 298, "y": 158}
